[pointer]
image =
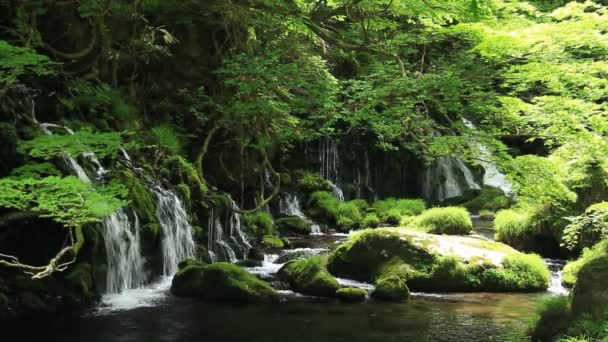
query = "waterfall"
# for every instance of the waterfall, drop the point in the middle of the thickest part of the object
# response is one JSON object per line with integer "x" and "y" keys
{"x": 330, "y": 160}
{"x": 222, "y": 244}
{"x": 290, "y": 205}
{"x": 556, "y": 286}
{"x": 125, "y": 263}
{"x": 177, "y": 234}
{"x": 492, "y": 176}
{"x": 122, "y": 241}
{"x": 449, "y": 177}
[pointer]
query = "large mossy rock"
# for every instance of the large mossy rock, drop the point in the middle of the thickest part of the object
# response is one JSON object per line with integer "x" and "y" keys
{"x": 309, "y": 276}
{"x": 221, "y": 282}
{"x": 293, "y": 225}
{"x": 590, "y": 294}
{"x": 437, "y": 262}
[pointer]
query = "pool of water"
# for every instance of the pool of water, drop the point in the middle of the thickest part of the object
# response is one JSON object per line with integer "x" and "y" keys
{"x": 425, "y": 317}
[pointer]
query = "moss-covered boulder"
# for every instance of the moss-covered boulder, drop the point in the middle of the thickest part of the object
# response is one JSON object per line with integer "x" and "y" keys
{"x": 448, "y": 220}
{"x": 311, "y": 182}
{"x": 293, "y": 225}
{"x": 272, "y": 242}
{"x": 437, "y": 262}
{"x": 221, "y": 282}
{"x": 260, "y": 223}
{"x": 309, "y": 276}
{"x": 391, "y": 288}
{"x": 351, "y": 294}
{"x": 590, "y": 294}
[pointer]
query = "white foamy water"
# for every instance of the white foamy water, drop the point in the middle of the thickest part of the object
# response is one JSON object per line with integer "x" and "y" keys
{"x": 148, "y": 296}
{"x": 556, "y": 286}
{"x": 268, "y": 268}
{"x": 354, "y": 283}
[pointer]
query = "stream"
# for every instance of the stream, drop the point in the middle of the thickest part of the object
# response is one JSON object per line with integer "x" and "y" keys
{"x": 152, "y": 314}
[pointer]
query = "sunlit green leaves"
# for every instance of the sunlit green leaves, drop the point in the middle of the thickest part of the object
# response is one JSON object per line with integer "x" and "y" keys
{"x": 50, "y": 146}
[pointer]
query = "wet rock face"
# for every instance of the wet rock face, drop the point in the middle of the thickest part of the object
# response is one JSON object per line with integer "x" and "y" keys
{"x": 590, "y": 293}
{"x": 221, "y": 282}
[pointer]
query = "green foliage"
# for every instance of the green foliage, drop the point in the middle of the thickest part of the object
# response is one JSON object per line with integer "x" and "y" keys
{"x": 18, "y": 62}
{"x": 371, "y": 221}
{"x": 67, "y": 200}
{"x": 324, "y": 206}
{"x": 261, "y": 223}
{"x": 570, "y": 272}
{"x": 35, "y": 170}
{"x": 272, "y": 241}
{"x": 513, "y": 227}
{"x": 48, "y": 147}
{"x": 166, "y": 137}
{"x": 448, "y": 220}
{"x": 587, "y": 229}
{"x": 391, "y": 210}
{"x": 311, "y": 182}
{"x": 489, "y": 198}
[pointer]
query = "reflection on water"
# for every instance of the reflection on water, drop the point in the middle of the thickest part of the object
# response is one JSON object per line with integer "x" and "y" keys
{"x": 450, "y": 317}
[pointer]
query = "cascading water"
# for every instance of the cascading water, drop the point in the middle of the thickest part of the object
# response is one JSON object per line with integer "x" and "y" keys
{"x": 449, "y": 177}
{"x": 289, "y": 205}
{"x": 492, "y": 176}
{"x": 122, "y": 242}
{"x": 556, "y": 285}
{"x": 177, "y": 234}
{"x": 224, "y": 245}
{"x": 330, "y": 160}
{"x": 125, "y": 263}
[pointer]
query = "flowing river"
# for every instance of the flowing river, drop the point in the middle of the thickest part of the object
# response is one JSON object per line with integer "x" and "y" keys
{"x": 152, "y": 314}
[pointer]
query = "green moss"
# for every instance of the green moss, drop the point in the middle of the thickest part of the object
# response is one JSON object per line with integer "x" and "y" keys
{"x": 416, "y": 259}
{"x": 371, "y": 221}
{"x": 448, "y": 220}
{"x": 142, "y": 198}
{"x": 360, "y": 203}
{"x": 272, "y": 241}
{"x": 514, "y": 228}
{"x": 81, "y": 280}
{"x": 295, "y": 225}
{"x": 325, "y": 207}
{"x": 179, "y": 171}
{"x": 260, "y": 223}
{"x": 489, "y": 198}
{"x": 351, "y": 294}
{"x": 221, "y": 282}
{"x": 570, "y": 272}
{"x": 310, "y": 276}
{"x": 311, "y": 182}
{"x": 392, "y": 209}
{"x": 590, "y": 293}
{"x": 391, "y": 288}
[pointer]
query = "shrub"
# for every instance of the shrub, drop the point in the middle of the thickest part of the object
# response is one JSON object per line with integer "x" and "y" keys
{"x": 371, "y": 221}
{"x": 448, "y": 220}
{"x": 587, "y": 229}
{"x": 525, "y": 271}
{"x": 489, "y": 198}
{"x": 570, "y": 272}
{"x": 390, "y": 210}
{"x": 166, "y": 137}
{"x": 324, "y": 206}
{"x": 260, "y": 223}
{"x": 311, "y": 182}
{"x": 348, "y": 211}
{"x": 513, "y": 227}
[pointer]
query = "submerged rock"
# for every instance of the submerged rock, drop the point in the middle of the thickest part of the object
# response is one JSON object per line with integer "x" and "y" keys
{"x": 221, "y": 282}
{"x": 351, "y": 294}
{"x": 309, "y": 276}
{"x": 437, "y": 262}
